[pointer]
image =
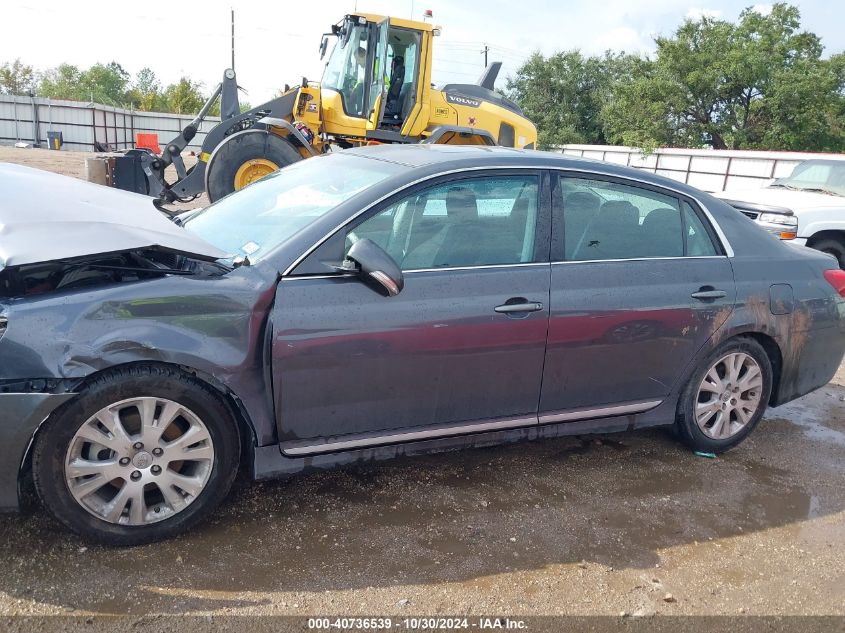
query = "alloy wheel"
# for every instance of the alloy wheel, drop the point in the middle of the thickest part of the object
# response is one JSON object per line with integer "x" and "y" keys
{"x": 729, "y": 395}
{"x": 139, "y": 461}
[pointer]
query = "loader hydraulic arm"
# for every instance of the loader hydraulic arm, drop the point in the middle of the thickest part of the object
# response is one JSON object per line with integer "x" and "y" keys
{"x": 229, "y": 107}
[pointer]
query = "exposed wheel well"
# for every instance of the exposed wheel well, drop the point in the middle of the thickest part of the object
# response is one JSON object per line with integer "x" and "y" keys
{"x": 839, "y": 236}
{"x": 229, "y": 400}
{"x": 775, "y": 358}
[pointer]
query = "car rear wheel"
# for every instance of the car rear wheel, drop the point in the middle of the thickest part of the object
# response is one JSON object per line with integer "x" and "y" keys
{"x": 725, "y": 397}
{"x": 141, "y": 454}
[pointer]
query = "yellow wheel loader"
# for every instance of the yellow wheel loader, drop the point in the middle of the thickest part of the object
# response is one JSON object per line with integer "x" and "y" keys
{"x": 376, "y": 88}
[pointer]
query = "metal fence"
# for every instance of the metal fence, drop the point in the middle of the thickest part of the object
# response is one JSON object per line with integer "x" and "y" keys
{"x": 706, "y": 169}
{"x": 84, "y": 125}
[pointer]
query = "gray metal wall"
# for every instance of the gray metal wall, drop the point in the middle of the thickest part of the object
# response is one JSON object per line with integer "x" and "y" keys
{"x": 81, "y": 124}
{"x": 706, "y": 169}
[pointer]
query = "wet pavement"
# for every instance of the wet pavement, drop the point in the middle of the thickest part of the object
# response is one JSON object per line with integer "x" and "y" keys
{"x": 630, "y": 523}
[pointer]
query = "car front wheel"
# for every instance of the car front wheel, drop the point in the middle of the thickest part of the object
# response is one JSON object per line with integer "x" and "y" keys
{"x": 831, "y": 246}
{"x": 725, "y": 397}
{"x": 141, "y": 454}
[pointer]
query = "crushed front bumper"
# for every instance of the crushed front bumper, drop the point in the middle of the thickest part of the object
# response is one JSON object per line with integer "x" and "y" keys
{"x": 20, "y": 416}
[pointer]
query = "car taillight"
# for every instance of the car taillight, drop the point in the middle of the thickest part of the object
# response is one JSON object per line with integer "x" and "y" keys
{"x": 836, "y": 278}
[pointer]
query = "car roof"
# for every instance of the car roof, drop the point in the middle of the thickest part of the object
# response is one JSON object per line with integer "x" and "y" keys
{"x": 419, "y": 154}
{"x": 435, "y": 157}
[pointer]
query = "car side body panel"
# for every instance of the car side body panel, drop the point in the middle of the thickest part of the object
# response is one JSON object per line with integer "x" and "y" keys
{"x": 218, "y": 327}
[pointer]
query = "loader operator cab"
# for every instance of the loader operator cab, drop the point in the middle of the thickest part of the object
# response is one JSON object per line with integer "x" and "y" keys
{"x": 374, "y": 67}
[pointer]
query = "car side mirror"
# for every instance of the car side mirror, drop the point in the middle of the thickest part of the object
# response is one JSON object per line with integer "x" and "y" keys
{"x": 324, "y": 45}
{"x": 375, "y": 267}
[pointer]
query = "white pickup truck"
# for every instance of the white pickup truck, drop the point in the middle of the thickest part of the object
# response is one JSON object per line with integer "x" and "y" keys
{"x": 807, "y": 207}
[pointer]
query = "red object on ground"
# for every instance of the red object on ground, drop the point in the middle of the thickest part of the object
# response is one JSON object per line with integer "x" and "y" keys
{"x": 148, "y": 141}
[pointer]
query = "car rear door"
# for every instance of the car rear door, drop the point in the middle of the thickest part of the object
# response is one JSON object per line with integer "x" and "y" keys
{"x": 459, "y": 350}
{"x": 639, "y": 282}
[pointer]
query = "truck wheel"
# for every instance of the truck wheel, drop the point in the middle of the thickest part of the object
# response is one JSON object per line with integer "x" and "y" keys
{"x": 244, "y": 158}
{"x": 831, "y": 246}
{"x": 142, "y": 454}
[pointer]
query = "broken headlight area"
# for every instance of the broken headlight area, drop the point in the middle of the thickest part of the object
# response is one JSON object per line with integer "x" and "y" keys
{"x": 96, "y": 271}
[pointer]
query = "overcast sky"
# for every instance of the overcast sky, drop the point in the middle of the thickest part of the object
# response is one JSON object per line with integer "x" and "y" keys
{"x": 276, "y": 42}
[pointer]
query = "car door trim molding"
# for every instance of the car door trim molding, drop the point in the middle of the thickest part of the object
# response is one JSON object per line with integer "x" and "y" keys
{"x": 549, "y": 168}
{"x": 568, "y": 415}
{"x": 447, "y": 268}
{"x": 409, "y": 436}
{"x": 340, "y": 275}
{"x": 303, "y": 449}
{"x": 635, "y": 259}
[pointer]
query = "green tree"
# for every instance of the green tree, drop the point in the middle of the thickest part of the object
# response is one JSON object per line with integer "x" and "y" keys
{"x": 62, "y": 82}
{"x": 730, "y": 86}
{"x": 16, "y": 78}
{"x": 184, "y": 97}
{"x": 102, "y": 83}
{"x": 145, "y": 92}
{"x": 563, "y": 94}
{"x": 804, "y": 108}
{"x": 105, "y": 83}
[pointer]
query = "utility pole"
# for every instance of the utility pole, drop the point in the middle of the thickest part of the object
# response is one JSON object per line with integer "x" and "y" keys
{"x": 484, "y": 52}
{"x": 233, "y": 38}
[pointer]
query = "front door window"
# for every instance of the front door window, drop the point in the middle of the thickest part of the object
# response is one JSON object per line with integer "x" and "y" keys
{"x": 473, "y": 222}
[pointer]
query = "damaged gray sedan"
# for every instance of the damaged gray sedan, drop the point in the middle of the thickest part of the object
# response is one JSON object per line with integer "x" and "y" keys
{"x": 377, "y": 302}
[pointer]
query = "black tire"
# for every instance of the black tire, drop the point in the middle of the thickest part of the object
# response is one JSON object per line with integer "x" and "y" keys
{"x": 239, "y": 148}
{"x": 53, "y": 442}
{"x": 686, "y": 427}
{"x": 831, "y": 246}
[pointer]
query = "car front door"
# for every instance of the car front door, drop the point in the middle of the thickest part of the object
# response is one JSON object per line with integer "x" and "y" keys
{"x": 460, "y": 349}
{"x": 639, "y": 283}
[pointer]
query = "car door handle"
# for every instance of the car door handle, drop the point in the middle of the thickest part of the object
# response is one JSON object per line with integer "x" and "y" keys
{"x": 528, "y": 306}
{"x": 704, "y": 295}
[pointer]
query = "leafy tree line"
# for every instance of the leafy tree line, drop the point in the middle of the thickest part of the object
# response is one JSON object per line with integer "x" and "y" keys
{"x": 759, "y": 83}
{"x": 105, "y": 83}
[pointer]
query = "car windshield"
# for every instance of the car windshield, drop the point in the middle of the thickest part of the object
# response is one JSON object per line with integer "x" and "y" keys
{"x": 253, "y": 221}
{"x": 823, "y": 176}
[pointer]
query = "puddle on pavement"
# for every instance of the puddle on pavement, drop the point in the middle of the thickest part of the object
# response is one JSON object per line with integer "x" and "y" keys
{"x": 816, "y": 414}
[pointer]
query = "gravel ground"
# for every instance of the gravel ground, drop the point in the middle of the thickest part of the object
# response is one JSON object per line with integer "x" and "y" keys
{"x": 73, "y": 164}
{"x": 630, "y": 523}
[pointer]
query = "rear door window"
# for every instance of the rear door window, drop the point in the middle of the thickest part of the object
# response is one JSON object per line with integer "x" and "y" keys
{"x": 605, "y": 220}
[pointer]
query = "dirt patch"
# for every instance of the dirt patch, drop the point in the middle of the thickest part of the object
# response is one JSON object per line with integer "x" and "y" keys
{"x": 73, "y": 164}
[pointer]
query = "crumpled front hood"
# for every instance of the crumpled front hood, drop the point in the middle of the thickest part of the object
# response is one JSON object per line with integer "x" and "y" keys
{"x": 46, "y": 217}
{"x": 788, "y": 198}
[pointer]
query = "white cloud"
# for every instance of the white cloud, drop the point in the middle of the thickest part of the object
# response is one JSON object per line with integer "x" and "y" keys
{"x": 762, "y": 9}
{"x": 621, "y": 38}
{"x": 695, "y": 13}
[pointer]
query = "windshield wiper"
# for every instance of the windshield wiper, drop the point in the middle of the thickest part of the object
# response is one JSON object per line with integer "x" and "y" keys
{"x": 784, "y": 185}
{"x": 829, "y": 192}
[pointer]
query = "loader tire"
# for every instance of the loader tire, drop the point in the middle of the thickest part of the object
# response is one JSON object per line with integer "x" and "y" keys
{"x": 245, "y": 157}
